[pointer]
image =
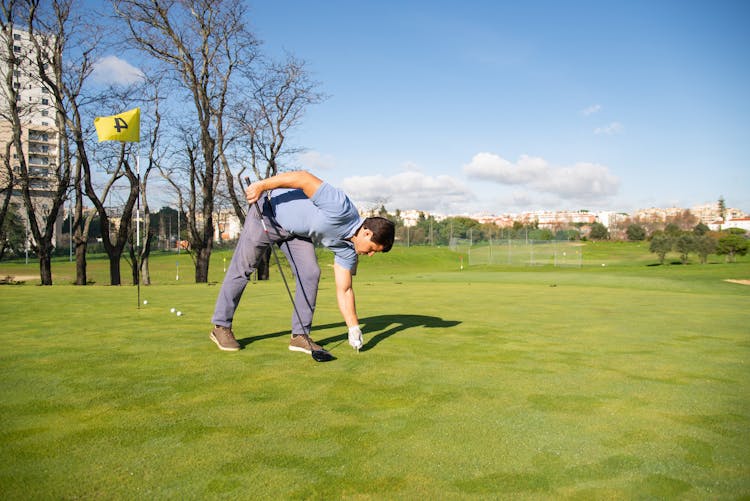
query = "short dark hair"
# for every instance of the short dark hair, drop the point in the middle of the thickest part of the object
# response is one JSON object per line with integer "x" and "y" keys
{"x": 383, "y": 231}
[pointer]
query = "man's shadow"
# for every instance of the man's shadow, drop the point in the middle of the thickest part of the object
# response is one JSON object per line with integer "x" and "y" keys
{"x": 375, "y": 329}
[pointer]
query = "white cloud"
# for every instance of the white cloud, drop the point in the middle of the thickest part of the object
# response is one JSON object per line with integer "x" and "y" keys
{"x": 579, "y": 182}
{"x": 408, "y": 190}
{"x": 491, "y": 167}
{"x": 594, "y": 108}
{"x": 316, "y": 160}
{"x": 111, "y": 70}
{"x": 613, "y": 128}
{"x": 582, "y": 181}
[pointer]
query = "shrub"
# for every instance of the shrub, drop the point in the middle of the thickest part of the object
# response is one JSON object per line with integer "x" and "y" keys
{"x": 636, "y": 233}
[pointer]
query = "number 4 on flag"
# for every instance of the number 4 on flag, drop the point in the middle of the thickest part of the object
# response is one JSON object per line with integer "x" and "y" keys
{"x": 122, "y": 127}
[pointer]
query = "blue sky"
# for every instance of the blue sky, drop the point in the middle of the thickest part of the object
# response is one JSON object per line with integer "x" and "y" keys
{"x": 502, "y": 107}
{"x": 509, "y": 106}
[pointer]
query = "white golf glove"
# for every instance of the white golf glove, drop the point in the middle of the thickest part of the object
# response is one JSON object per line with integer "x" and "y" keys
{"x": 355, "y": 337}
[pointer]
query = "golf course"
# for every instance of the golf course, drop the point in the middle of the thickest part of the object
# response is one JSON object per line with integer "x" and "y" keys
{"x": 617, "y": 378}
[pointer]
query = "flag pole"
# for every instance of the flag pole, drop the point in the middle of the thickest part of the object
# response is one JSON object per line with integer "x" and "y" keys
{"x": 138, "y": 228}
{"x": 126, "y": 128}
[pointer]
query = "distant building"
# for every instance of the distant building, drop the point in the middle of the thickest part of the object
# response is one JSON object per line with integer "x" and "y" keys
{"x": 656, "y": 214}
{"x": 711, "y": 213}
{"x": 742, "y": 223}
{"x": 227, "y": 225}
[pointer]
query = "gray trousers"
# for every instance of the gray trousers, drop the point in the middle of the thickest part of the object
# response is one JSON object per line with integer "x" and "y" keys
{"x": 253, "y": 242}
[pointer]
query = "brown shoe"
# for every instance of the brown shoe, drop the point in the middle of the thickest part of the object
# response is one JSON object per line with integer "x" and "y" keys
{"x": 224, "y": 338}
{"x": 302, "y": 342}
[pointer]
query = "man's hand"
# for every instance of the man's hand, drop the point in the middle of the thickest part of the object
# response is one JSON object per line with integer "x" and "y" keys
{"x": 253, "y": 192}
{"x": 355, "y": 337}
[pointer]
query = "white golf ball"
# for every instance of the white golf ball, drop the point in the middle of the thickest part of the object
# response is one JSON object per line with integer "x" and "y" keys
{"x": 179, "y": 313}
{"x": 145, "y": 301}
{"x": 171, "y": 310}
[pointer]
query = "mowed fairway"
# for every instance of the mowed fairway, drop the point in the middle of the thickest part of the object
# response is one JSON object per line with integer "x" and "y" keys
{"x": 620, "y": 381}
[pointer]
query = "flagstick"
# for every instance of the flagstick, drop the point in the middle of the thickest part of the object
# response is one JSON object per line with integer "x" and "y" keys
{"x": 138, "y": 228}
{"x": 111, "y": 129}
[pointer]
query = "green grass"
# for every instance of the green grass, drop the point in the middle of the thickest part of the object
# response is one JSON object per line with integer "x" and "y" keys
{"x": 624, "y": 381}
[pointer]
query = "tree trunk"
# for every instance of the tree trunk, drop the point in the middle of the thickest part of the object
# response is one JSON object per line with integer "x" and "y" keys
{"x": 135, "y": 265}
{"x": 45, "y": 265}
{"x": 145, "y": 274}
{"x": 201, "y": 265}
{"x": 81, "y": 278}
{"x": 263, "y": 269}
{"x": 114, "y": 267}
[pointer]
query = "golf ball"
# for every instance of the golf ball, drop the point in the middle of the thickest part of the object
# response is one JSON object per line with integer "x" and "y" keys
{"x": 145, "y": 301}
{"x": 179, "y": 313}
{"x": 172, "y": 310}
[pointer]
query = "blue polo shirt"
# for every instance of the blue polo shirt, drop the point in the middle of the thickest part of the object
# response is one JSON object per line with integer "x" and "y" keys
{"x": 329, "y": 217}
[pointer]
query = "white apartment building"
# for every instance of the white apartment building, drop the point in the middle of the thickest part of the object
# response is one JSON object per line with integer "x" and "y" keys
{"x": 40, "y": 136}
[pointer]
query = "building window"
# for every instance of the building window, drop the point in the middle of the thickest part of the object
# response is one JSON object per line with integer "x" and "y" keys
{"x": 16, "y": 48}
{"x": 45, "y": 113}
{"x": 38, "y": 160}
{"x": 45, "y": 100}
{"x": 35, "y": 135}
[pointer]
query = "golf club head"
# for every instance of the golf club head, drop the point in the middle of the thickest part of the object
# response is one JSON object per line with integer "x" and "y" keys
{"x": 322, "y": 356}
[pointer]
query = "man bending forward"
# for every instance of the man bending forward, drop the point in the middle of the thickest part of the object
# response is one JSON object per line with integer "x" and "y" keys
{"x": 301, "y": 208}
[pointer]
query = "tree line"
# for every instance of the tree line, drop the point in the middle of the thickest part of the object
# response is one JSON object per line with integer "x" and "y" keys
{"x": 680, "y": 233}
{"x": 700, "y": 241}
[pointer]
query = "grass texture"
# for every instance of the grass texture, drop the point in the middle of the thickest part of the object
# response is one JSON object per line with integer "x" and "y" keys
{"x": 626, "y": 381}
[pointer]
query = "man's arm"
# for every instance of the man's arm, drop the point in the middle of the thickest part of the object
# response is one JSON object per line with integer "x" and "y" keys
{"x": 345, "y": 295}
{"x": 300, "y": 179}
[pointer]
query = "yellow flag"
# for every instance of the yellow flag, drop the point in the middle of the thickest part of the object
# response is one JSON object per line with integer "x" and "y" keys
{"x": 123, "y": 127}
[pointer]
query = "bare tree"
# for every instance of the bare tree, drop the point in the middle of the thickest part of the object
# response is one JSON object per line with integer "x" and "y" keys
{"x": 8, "y": 99}
{"x": 78, "y": 69}
{"x": 114, "y": 241}
{"x": 6, "y": 186}
{"x": 202, "y": 42}
{"x": 186, "y": 176}
{"x": 271, "y": 105}
{"x": 46, "y": 26}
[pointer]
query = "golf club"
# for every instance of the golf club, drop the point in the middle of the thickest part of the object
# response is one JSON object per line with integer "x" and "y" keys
{"x": 317, "y": 355}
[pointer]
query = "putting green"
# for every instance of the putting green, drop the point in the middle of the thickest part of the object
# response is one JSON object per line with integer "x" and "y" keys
{"x": 624, "y": 381}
